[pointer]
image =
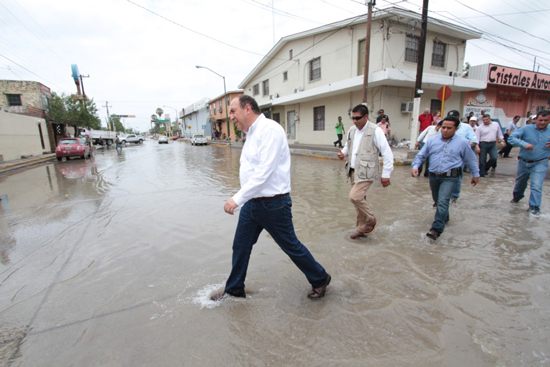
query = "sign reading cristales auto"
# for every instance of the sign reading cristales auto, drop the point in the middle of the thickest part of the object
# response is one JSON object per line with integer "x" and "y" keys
{"x": 502, "y": 75}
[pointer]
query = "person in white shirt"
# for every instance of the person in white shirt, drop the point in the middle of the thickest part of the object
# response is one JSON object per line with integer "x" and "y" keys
{"x": 365, "y": 141}
{"x": 265, "y": 200}
{"x": 423, "y": 138}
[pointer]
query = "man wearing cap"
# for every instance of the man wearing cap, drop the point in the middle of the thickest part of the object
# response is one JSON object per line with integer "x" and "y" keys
{"x": 534, "y": 140}
{"x": 489, "y": 135}
{"x": 512, "y": 126}
{"x": 473, "y": 123}
{"x": 365, "y": 141}
{"x": 448, "y": 153}
{"x": 466, "y": 131}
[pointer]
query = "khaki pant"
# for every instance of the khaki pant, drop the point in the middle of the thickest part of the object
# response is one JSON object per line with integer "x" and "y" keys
{"x": 357, "y": 196}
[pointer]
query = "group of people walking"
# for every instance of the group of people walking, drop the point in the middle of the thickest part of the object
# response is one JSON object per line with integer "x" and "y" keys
{"x": 264, "y": 196}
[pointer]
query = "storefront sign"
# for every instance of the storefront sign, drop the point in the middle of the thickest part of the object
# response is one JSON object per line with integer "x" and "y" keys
{"x": 502, "y": 75}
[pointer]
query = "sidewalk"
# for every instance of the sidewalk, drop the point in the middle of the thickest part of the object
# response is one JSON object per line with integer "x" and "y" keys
{"x": 25, "y": 162}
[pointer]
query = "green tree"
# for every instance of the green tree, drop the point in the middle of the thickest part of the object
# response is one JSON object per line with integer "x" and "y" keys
{"x": 72, "y": 111}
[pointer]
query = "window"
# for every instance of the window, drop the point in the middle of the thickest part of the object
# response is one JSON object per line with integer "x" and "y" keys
{"x": 285, "y": 76}
{"x": 361, "y": 61}
{"x": 438, "y": 55}
{"x": 319, "y": 118}
{"x": 277, "y": 117}
{"x": 411, "y": 49}
{"x": 14, "y": 99}
{"x": 256, "y": 89}
{"x": 290, "y": 55}
{"x": 265, "y": 87}
{"x": 315, "y": 69}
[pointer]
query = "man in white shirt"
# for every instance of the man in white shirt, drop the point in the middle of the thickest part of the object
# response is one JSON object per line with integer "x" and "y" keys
{"x": 512, "y": 126}
{"x": 265, "y": 200}
{"x": 365, "y": 141}
{"x": 488, "y": 135}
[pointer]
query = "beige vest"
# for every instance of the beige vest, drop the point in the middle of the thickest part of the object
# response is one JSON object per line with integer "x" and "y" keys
{"x": 367, "y": 164}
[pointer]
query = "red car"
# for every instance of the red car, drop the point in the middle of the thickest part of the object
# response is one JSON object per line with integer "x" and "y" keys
{"x": 72, "y": 147}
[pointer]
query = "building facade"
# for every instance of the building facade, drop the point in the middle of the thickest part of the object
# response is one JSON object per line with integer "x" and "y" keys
{"x": 510, "y": 92}
{"x": 309, "y": 79}
{"x": 23, "y": 128}
{"x": 218, "y": 111}
{"x": 196, "y": 118}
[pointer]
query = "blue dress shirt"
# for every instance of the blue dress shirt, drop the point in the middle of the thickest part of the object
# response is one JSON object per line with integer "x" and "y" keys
{"x": 446, "y": 155}
{"x": 529, "y": 134}
{"x": 466, "y": 131}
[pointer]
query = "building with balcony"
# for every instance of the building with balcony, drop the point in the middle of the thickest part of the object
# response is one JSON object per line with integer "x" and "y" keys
{"x": 218, "y": 117}
{"x": 310, "y": 78}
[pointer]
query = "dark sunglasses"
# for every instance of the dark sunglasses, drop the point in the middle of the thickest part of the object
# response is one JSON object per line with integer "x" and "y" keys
{"x": 357, "y": 118}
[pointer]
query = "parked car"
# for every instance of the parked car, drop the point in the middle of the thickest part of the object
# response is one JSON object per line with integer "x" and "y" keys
{"x": 72, "y": 147}
{"x": 163, "y": 140}
{"x": 131, "y": 138}
{"x": 198, "y": 139}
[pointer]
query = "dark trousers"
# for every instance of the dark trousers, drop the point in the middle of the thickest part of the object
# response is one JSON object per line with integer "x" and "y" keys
{"x": 275, "y": 216}
{"x": 339, "y": 141}
{"x": 484, "y": 164}
{"x": 506, "y": 150}
{"x": 442, "y": 189}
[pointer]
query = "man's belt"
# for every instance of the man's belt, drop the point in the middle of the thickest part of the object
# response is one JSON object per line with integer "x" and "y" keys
{"x": 528, "y": 161}
{"x": 455, "y": 172}
{"x": 488, "y": 142}
{"x": 269, "y": 197}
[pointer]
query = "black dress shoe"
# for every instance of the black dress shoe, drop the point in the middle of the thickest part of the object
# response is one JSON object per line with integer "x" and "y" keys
{"x": 317, "y": 293}
{"x": 220, "y": 296}
{"x": 432, "y": 234}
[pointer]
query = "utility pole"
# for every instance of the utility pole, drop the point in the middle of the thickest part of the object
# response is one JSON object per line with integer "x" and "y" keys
{"x": 419, "y": 70}
{"x": 367, "y": 51}
{"x": 108, "y": 116}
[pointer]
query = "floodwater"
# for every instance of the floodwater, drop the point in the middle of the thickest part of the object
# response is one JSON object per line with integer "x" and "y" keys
{"x": 110, "y": 262}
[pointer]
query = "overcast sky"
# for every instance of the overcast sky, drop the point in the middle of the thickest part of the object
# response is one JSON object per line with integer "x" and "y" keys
{"x": 141, "y": 54}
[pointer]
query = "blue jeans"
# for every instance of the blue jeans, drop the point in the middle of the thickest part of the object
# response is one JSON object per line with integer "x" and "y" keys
{"x": 442, "y": 189}
{"x": 484, "y": 165}
{"x": 456, "y": 192}
{"x": 537, "y": 172}
{"x": 275, "y": 216}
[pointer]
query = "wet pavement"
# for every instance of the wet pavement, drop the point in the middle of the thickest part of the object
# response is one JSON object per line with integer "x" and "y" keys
{"x": 110, "y": 262}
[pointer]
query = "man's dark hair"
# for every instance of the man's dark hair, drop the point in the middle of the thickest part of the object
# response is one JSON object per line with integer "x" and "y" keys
{"x": 362, "y": 109}
{"x": 487, "y": 116}
{"x": 543, "y": 113}
{"x": 247, "y": 100}
{"x": 453, "y": 119}
{"x": 517, "y": 116}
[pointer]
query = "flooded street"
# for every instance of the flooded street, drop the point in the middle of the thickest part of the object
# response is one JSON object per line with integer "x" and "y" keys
{"x": 111, "y": 262}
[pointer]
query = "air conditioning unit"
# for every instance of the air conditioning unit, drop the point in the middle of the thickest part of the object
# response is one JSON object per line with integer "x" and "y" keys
{"x": 407, "y": 107}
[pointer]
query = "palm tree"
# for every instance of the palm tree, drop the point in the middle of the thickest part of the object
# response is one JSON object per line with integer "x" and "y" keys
{"x": 160, "y": 111}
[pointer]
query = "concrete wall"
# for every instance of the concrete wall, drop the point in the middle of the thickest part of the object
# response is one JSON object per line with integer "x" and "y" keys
{"x": 19, "y": 135}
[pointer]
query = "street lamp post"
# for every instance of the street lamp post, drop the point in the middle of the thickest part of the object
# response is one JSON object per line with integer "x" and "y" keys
{"x": 177, "y": 118}
{"x": 224, "y": 100}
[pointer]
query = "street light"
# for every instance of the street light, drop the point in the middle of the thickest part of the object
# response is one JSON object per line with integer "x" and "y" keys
{"x": 224, "y": 100}
{"x": 177, "y": 118}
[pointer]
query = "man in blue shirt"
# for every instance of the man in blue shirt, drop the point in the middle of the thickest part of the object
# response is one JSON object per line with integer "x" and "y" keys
{"x": 466, "y": 131}
{"x": 448, "y": 153}
{"x": 534, "y": 141}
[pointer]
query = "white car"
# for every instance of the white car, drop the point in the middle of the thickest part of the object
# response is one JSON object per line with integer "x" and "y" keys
{"x": 163, "y": 140}
{"x": 198, "y": 139}
{"x": 131, "y": 138}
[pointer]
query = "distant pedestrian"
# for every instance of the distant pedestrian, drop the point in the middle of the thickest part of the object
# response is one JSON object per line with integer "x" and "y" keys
{"x": 426, "y": 119}
{"x": 365, "y": 141}
{"x": 423, "y": 138}
{"x": 448, "y": 152}
{"x": 339, "y": 132}
{"x": 489, "y": 135}
{"x": 437, "y": 117}
{"x": 473, "y": 123}
{"x": 383, "y": 121}
{"x": 512, "y": 126}
{"x": 265, "y": 199}
{"x": 534, "y": 142}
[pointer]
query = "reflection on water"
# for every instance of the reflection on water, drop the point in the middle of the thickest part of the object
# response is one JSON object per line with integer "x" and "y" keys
{"x": 123, "y": 250}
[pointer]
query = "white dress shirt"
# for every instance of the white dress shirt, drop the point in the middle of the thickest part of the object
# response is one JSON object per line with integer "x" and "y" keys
{"x": 265, "y": 162}
{"x": 380, "y": 142}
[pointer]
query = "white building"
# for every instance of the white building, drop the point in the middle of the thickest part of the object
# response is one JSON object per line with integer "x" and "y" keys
{"x": 195, "y": 118}
{"x": 309, "y": 79}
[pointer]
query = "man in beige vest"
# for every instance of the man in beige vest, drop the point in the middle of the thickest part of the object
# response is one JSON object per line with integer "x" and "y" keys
{"x": 365, "y": 142}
